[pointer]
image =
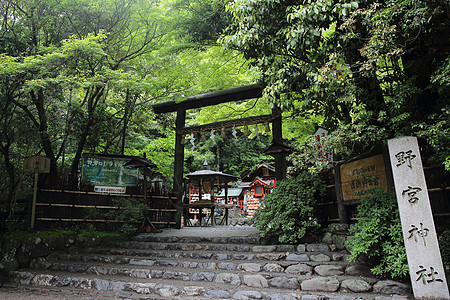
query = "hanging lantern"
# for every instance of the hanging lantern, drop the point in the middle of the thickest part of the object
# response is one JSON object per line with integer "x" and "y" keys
{"x": 246, "y": 130}
{"x": 202, "y": 137}
{"x": 222, "y": 134}
{"x": 267, "y": 129}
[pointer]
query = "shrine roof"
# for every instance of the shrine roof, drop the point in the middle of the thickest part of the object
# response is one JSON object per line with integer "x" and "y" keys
{"x": 257, "y": 172}
{"x": 265, "y": 182}
{"x": 207, "y": 173}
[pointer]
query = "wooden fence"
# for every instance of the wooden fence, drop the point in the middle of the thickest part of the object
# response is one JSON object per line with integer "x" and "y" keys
{"x": 438, "y": 183}
{"x": 56, "y": 208}
{"x": 64, "y": 208}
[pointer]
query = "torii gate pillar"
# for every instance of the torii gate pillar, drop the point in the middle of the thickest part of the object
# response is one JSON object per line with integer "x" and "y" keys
{"x": 179, "y": 155}
{"x": 277, "y": 134}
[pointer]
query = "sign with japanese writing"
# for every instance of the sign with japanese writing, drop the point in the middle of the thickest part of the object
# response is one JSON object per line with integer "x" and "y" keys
{"x": 110, "y": 189}
{"x": 422, "y": 249}
{"x": 359, "y": 177}
{"x": 37, "y": 163}
{"x": 108, "y": 171}
{"x": 323, "y": 153}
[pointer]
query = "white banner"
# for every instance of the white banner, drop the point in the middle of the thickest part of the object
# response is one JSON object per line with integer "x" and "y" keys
{"x": 110, "y": 189}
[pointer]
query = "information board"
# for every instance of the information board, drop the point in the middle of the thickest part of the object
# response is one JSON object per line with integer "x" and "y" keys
{"x": 362, "y": 175}
{"x": 108, "y": 171}
{"x": 36, "y": 163}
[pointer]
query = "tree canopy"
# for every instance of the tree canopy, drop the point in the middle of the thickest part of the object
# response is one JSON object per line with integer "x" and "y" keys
{"x": 373, "y": 70}
{"x": 80, "y": 77}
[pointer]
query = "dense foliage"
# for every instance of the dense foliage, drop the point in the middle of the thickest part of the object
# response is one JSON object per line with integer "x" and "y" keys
{"x": 377, "y": 235}
{"x": 289, "y": 211}
{"x": 80, "y": 77}
{"x": 373, "y": 70}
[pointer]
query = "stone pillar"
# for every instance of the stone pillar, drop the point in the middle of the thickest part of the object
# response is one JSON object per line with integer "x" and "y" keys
{"x": 424, "y": 259}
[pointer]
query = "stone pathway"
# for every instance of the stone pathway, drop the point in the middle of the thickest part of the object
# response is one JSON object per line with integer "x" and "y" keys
{"x": 223, "y": 262}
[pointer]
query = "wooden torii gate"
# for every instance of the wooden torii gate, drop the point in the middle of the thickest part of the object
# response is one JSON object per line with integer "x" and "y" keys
{"x": 214, "y": 98}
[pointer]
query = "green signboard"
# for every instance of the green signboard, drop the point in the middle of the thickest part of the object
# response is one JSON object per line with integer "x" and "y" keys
{"x": 109, "y": 171}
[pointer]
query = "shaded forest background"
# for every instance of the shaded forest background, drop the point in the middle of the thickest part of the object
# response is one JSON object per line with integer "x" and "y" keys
{"x": 80, "y": 76}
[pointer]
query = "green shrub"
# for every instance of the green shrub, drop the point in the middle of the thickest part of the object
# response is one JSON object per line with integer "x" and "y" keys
{"x": 289, "y": 211}
{"x": 444, "y": 245}
{"x": 377, "y": 235}
{"x": 129, "y": 215}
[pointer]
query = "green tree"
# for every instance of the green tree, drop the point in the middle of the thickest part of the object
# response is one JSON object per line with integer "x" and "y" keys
{"x": 107, "y": 37}
{"x": 203, "y": 20}
{"x": 68, "y": 75}
{"x": 369, "y": 69}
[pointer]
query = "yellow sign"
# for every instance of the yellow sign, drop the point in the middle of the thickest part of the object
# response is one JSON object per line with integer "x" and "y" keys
{"x": 359, "y": 176}
{"x": 37, "y": 163}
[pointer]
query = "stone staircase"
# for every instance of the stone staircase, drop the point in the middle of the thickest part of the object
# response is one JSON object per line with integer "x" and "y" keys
{"x": 150, "y": 266}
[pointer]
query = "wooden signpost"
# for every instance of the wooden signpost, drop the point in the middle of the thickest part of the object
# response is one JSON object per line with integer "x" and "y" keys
{"x": 37, "y": 164}
{"x": 360, "y": 176}
{"x": 424, "y": 259}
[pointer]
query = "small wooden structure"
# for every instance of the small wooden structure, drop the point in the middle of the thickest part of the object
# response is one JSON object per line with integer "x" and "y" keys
{"x": 208, "y": 183}
{"x": 255, "y": 185}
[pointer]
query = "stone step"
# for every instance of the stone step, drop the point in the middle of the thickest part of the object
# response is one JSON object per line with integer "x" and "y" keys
{"x": 215, "y": 244}
{"x": 329, "y": 278}
{"x": 196, "y": 239}
{"x": 319, "y": 289}
{"x": 300, "y": 253}
{"x": 220, "y": 262}
{"x": 191, "y": 267}
{"x": 206, "y": 246}
{"x": 310, "y": 257}
{"x": 192, "y": 270}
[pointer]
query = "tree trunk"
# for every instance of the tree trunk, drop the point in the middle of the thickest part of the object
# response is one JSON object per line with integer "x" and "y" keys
{"x": 93, "y": 100}
{"x": 11, "y": 171}
{"x": 50, "y": 179}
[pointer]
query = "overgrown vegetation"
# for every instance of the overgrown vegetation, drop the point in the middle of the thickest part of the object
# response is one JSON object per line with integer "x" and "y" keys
{"x": 129, "y": 215}
{"x": 371, "y": 70}
{"x": 289, "y": 211}
{"x": 377, "y": 235}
